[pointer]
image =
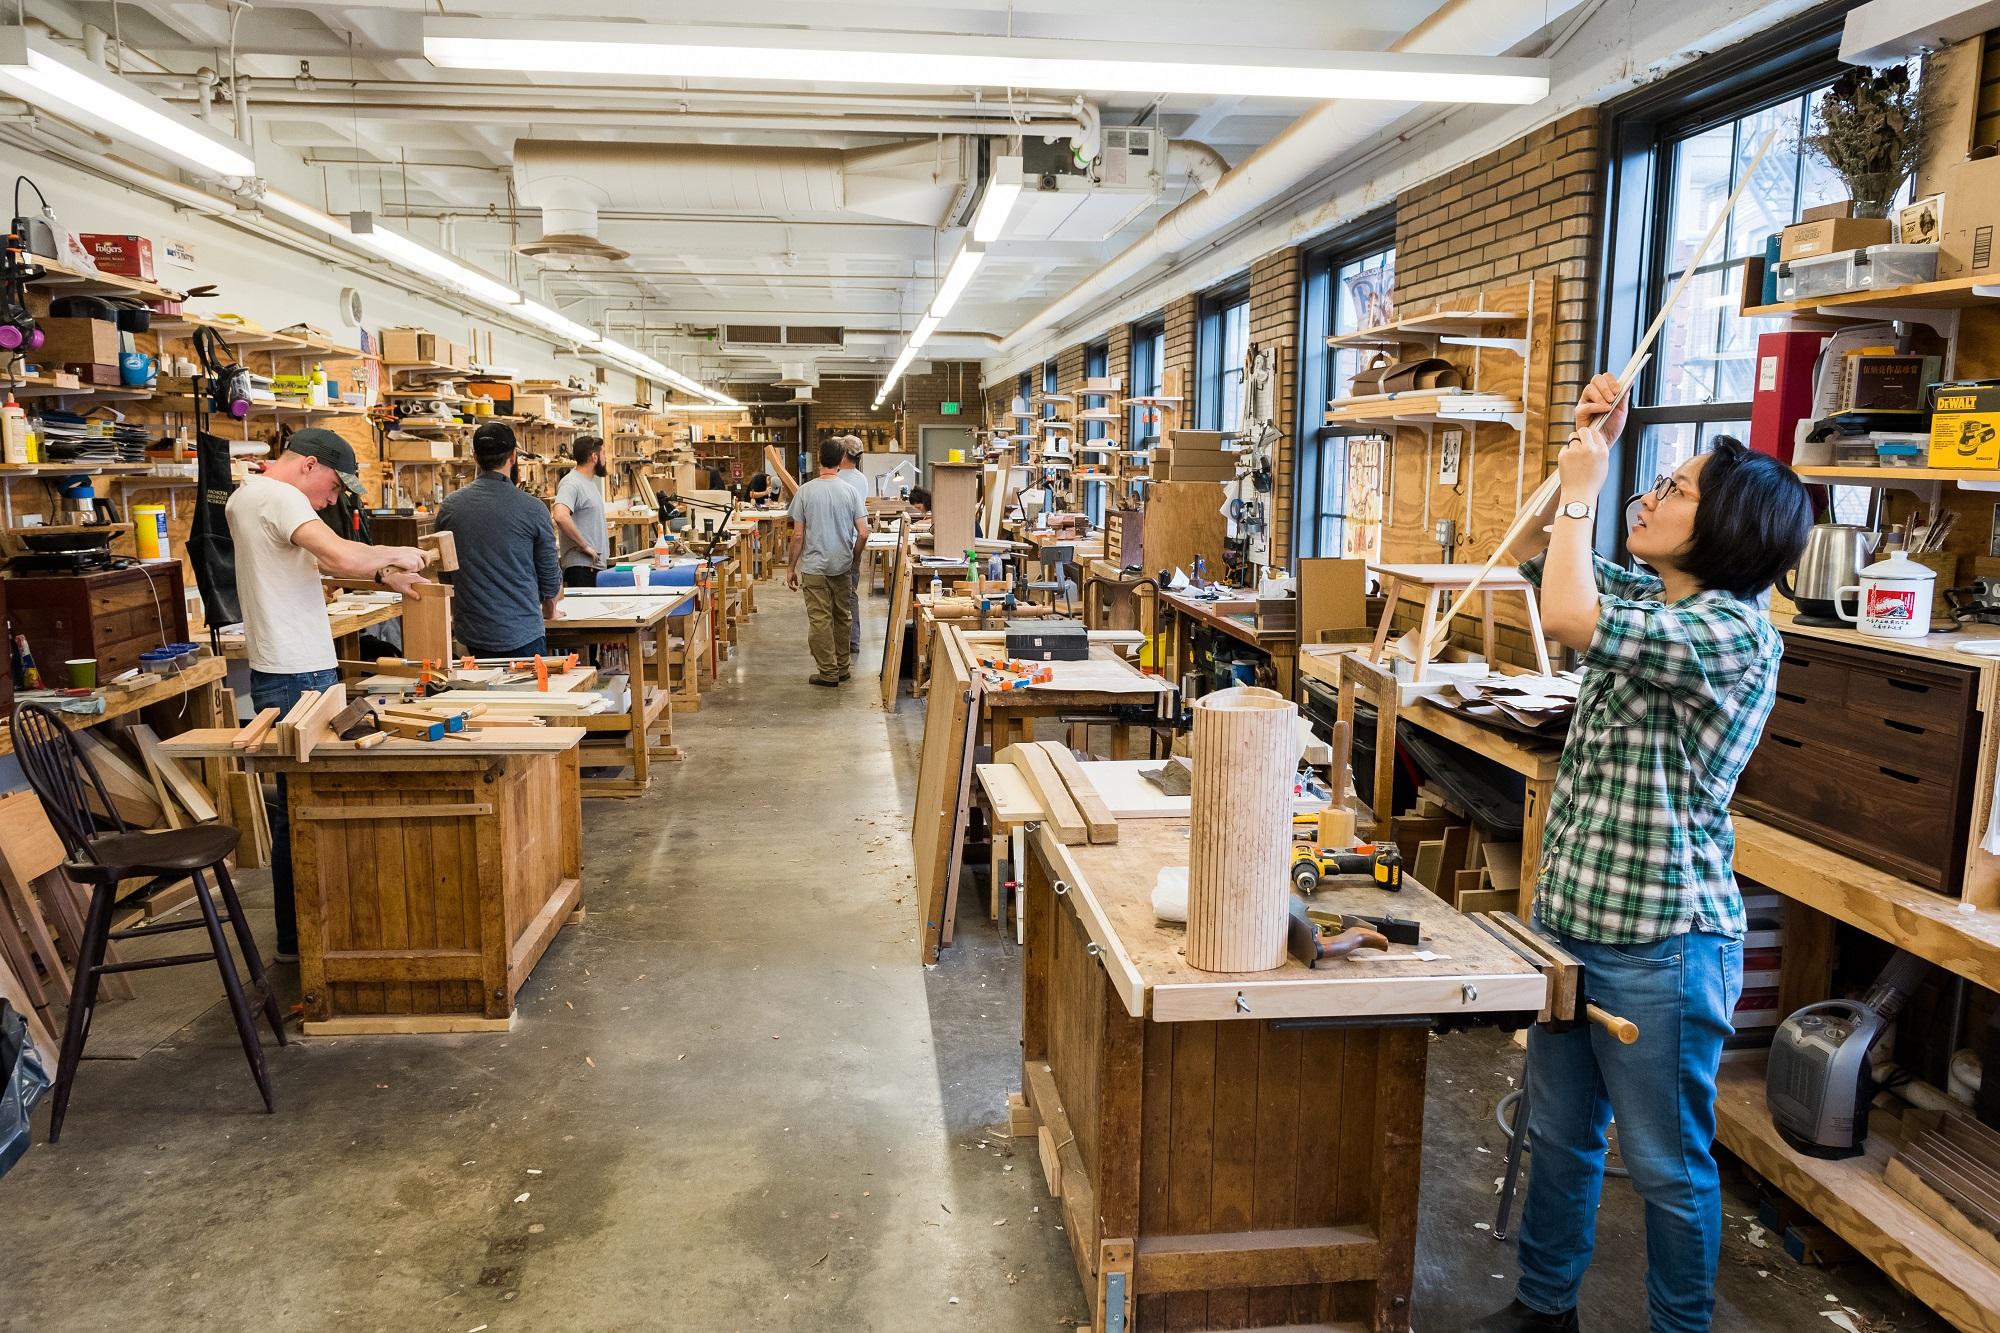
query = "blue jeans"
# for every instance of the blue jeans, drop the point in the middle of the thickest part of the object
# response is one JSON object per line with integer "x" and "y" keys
{"x": 282, "y": 690}
{"x": 1681, "y": 991}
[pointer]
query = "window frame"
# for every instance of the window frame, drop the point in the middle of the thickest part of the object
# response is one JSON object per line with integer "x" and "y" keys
{"x": 1318, "y": 309}
{"x": 1211, "y": 316}
{"x": 1639, "y": 132}
{"x": 1148, "y": 338}
{"x": 1096, "y": 363}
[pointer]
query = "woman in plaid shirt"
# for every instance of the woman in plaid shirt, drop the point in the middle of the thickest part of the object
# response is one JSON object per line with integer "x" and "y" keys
{"x": 1679, "y": 675}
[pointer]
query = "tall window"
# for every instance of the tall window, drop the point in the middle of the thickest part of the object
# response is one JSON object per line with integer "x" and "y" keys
{"x": 1149, "y": 359}
{"x": 1679, "y": 152}
{"x": 1096, "y": 362}
{"x": 1222, "y": 343}
{"x": 1339, "y": 488}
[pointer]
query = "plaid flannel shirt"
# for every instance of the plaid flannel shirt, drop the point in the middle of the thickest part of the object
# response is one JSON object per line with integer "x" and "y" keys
{"x": 1639, "y": 844}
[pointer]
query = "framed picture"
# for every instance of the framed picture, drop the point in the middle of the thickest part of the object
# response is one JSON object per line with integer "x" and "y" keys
{"x": 1922, "y": 222}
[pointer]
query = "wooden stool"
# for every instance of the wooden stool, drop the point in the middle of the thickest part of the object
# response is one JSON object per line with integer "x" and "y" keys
{"x": 1438, "y": 581}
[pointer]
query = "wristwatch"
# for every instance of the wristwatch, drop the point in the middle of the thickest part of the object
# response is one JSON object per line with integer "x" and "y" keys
{"x": 1576, "y": 509}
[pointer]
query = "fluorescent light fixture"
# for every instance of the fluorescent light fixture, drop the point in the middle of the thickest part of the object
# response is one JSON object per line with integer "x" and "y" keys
{"x": 400, "y": 249}
{"x": 48, "y": 76}
{"x": 665, "y": 50}
{"x": 922, "y": 333}
{"x": 902, "y": 363}
{"x": 1003, "y": 187}
{"x": 560, "y": 325}
{"x": 703, "y": 407}
{"x": 963, "y": 265}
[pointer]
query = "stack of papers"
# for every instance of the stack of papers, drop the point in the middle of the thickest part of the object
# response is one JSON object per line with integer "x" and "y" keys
{"x": 1540, "y": 706}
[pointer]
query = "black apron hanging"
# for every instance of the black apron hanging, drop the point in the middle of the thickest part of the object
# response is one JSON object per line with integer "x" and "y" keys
{"x": 210, "y": 549}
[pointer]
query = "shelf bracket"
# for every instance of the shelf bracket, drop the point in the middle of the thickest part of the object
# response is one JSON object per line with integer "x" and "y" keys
{"x": 1518, "y": 346}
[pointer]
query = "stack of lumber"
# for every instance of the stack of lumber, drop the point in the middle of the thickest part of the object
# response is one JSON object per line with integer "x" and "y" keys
{"x": 1072, "y": 807}
{"x": 1193, "y": 455}
{"x": 1949, "y": 1167}
{"x": 1448, "y": 855}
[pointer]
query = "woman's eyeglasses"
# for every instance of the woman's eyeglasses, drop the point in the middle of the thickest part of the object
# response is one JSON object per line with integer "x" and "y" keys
{"x": 1665, "y": 487}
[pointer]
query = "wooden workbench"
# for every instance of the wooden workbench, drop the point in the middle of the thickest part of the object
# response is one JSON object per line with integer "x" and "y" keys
{"x": 1233, "y": 1151}
{"x": 431, "y": 876}
{"x": 348, "y": 618}
{"x": 1180, "y": 613}
{"x": 1349, "y": 671}
{"x": 626, "y": 620}
{"x": 1009, "y": 715}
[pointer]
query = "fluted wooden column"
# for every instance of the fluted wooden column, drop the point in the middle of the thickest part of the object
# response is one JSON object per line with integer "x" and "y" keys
{"x": 1244, "y": 756}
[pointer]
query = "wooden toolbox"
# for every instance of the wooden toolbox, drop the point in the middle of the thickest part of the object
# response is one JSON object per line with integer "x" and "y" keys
{"x": 112, "y": 615}
{"x": 1871, "y": 754}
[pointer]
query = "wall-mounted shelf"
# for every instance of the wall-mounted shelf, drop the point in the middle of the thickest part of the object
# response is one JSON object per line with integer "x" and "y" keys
{"x": 76, "y": 282}
{"x": 1453, "y": 324}
{"x": 1921, "y": 302}
{"x": 1420, "y": 408}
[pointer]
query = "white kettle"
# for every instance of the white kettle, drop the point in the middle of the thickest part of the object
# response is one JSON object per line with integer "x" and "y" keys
{"x": 1894, "y": 598}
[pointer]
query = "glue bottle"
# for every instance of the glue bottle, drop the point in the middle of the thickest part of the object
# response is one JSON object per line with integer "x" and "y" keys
{"x": 937, "y": 588}
{"x": 13, "y": 433}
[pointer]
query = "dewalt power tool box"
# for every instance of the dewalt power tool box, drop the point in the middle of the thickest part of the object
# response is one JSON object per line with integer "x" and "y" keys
{"x": 1965, "y": 425}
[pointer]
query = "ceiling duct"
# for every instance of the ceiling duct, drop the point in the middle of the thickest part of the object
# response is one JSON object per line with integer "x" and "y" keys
{"x": 784, "y": 338}
{"x": 797, "y": 375}
{"x": 921, "y": 182}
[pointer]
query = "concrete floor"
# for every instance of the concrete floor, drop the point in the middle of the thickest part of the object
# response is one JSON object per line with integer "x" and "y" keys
{"x": 734, "y": 1101}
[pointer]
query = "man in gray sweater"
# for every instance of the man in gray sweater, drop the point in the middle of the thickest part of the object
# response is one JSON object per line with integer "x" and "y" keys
{"x": 508, "y": 580}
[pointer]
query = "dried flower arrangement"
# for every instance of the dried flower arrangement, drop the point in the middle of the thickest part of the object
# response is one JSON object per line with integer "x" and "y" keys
{"x": 1869, "y": 128}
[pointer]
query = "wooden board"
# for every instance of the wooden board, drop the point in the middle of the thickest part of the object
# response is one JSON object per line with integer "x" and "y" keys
{"x": 130, "y": 789}
{"x": 902, "y": 591}
{"x": 1059, "y": 812}
{"x": 944, "y": 777}
{"x": 1097, "y": 816}
{"x": 955, "y": 494}
{"x": 177, "y": 782}
{"x": 427, "y": 625}
{"x": 991, "y": 512}
{"x": 1333, "y": 594}
{"x": 1184, "y": 520}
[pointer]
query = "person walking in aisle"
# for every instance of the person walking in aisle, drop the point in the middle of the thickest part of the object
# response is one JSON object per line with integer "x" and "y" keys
{"x": 851, "y": 473}
{"x": 508, "y": 582}
{"x": 829, "y": 529}
{"x": 1680, "y": 672}
{"x": 583, "y": 534}
{"x": 282, "y": 548}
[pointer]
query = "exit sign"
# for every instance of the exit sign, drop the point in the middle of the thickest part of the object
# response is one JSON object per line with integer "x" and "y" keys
{"x": 948, "y": 409}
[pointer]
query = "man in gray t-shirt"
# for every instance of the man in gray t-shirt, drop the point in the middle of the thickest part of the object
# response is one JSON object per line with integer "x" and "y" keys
{"x": 583, "y": 538}
{"x": 829, "y": 528}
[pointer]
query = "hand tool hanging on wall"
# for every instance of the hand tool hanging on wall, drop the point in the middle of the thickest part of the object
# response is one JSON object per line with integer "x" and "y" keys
{"x": 1531, "y": 511}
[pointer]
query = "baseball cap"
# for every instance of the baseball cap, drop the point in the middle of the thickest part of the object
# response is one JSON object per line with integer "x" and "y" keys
{"x": 492, "y": 442}
{"x": 332, "y": 451}
{"x": 852, "y": 443}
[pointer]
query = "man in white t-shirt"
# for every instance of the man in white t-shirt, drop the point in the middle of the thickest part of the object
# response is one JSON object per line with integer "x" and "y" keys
{"x": 857, "y": 481}
{"x": 282, "y": 548}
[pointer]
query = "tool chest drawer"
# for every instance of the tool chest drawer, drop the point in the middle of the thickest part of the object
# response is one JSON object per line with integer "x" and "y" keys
{"x": 1871, "y": 754}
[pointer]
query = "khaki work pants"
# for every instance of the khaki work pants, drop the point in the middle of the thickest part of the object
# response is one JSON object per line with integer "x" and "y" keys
{"x": 829, "y": 620}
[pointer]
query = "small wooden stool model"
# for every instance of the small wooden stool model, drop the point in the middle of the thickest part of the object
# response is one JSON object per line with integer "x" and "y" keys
{"x": 1438, "y": 580}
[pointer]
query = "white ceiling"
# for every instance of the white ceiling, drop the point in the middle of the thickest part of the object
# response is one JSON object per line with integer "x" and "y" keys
{"x": 344, "y": 86}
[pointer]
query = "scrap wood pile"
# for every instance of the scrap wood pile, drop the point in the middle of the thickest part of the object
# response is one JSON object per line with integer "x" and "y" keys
{"x": 1949, "y": 1167}
{"x": 1070, "y": 802}
{"x": 327, "y": 719}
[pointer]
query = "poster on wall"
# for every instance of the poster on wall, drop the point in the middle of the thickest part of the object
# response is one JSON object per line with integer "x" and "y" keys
{"x": 1361, "y": 534}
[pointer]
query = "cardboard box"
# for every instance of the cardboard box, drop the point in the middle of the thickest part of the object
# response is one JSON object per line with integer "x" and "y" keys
{"x": 535, "y": 405}
{"x": 1965, "y": 427}
{"x": 1966, "y": 246}
{"x": 1195, "y": 440}
{"x": 408, "y": 346}
{"x": 1805, "y": 240}
{"x": 1841, "y": 208}
{"x": 420, "y": 451}
{"x": 93, "y": 341}
{"x": 127, "y": 256}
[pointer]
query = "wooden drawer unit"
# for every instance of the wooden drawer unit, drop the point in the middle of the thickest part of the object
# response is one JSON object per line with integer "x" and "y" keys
{"x": 1871, "y": 754}
{"x": 112, "y": 615}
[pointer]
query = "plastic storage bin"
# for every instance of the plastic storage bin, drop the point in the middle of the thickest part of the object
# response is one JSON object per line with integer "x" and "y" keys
{"x": 1870, "y": 268}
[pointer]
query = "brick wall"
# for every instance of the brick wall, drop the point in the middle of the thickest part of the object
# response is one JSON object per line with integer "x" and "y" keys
{"x": 1274, "y": 323}
{"x": 847, "y": 401}
{"x": 1526, "y": 211}
{"x": 1180, "y": 322}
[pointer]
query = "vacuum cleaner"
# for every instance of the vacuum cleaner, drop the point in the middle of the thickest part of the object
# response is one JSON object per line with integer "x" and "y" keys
{"x": 1819, "y": 1084}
